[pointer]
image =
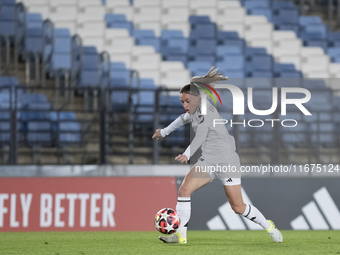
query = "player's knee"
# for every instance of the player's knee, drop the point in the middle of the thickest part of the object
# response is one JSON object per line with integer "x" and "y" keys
{"x": 184, "y": 192}
{"x": 238, "y": 209}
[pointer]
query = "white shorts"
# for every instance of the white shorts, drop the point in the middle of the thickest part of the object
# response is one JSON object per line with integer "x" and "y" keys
{"x": 223, "y": 176}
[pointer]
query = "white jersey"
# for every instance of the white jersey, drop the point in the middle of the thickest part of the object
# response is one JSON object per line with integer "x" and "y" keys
{"x": 216, "y": 143}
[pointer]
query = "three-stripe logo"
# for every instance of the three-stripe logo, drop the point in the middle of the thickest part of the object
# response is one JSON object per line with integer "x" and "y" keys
{"x": 228, "y": 219}
{"x": 321, "y": 214}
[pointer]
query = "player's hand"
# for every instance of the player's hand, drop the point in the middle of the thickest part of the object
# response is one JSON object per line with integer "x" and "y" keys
{"x": 182, "y": 158}
{"x": 157, "y": 136}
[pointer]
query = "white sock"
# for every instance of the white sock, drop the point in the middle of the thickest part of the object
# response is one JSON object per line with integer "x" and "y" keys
{"x": 183, "y": 209}
{"x": 253, "y": 214}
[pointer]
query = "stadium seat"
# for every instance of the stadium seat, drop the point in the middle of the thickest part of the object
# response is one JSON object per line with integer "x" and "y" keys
{"x": 334, "y": 54}
{"x": 277, "y": 5}
{"x": 70, "y": 132}
{"x": 202, "y": 47}
{"x": 175, "y": 45}
{"x": 199, "y": 68}
{"x": 205, "y": 30}
{"x": 90, "y": 67}
{"x": 147, "y": 37}
{"x": 233, "y": 62}
{"x": 39, "y": 133}
{"x": 33, "y": 42}
{"x": 61, "y": 55}
{"x": 309, "y": 20}
{"x": 262, "y": 11}
{"x": 7, "y": 19}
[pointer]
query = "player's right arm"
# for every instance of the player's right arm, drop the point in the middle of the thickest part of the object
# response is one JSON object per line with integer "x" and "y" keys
{"x": 180, "y": 121}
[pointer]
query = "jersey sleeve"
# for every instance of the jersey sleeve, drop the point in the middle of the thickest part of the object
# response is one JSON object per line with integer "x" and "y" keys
{"x": 200, "y": 137}
{"x": 180, "y": 121}
{"x": 187, "y": 152}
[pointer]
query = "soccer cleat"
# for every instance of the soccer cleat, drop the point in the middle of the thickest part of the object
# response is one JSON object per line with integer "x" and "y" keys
{"x": 274, "y": 233}
{"x": 174, "y": 238}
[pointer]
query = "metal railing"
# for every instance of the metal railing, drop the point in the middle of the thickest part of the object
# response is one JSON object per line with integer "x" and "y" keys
{"x": 123, "y": 129}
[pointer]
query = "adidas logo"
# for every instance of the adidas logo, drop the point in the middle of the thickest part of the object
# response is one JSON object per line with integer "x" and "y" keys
{"x": 321, "y": 214}
{"x": 229, "y": 180}
{"x": 227, "y": 219}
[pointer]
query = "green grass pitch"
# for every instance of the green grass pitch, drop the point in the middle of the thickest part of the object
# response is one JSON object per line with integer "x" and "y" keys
{"x": 199, "y": 242}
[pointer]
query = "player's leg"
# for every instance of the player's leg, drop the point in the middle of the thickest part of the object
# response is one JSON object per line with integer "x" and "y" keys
{"x": 234, "y": 195}
{"x": 192, "y": 181}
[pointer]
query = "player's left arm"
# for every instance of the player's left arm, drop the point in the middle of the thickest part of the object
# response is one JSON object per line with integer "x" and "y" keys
{"x": 200, "y": 137}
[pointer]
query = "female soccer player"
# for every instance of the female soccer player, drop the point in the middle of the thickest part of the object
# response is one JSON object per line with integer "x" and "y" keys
{"x": 218, "y": 147}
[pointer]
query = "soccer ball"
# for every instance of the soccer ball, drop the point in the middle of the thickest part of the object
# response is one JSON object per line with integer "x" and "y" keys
{"x": 167, "y": 221}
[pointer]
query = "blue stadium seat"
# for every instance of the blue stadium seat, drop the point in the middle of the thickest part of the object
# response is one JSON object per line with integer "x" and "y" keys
{"x": 286, "y": 71}
{"x": 280, "y": 67}
{"x": 144, "y": 102}
{"x": 33, "y": 41}
{"x": 54, "y": 116}
{"x": 119, "y": 21}
{"x": 147, "y": 37}
{"x": 334, "y": 54}
{"x": 233, "y": 73}
{"x": 61, "y": 56}
{"x": 90, "y": 67}
{"x": 5, "y": 134}
{"x": 110, "y": 18}
{"x": 39, "y": 133}
{"x": 251, "y": 51}
{"x": 259, "y": 63}
{"x": 251, "y": 4}
{"x": 226, "y": 35}
{"x": 199, "y": 19}
{"x": 230, "y": 39}
{"x": 333, "y": 39}
{"x": 260, "y": 74}
{"x": 285, "y": 16}
{"x": 226, "y": 55}
{"x": 120, "y": 78}
{"x": 233, "y": 62}
{"x": 70, "y": 132}
{"x": 259, "y": 83}
{"x": 202, "y": 47}
{"x": 277, "y": 5}
{"x": 310, "y": 20}
{"x": 7, "y": 19}
{"x": 183, "y": 57}
{"x": 175, "y": 46}
{"x": 168, "y": 34}
{"x": 314, "y": 31}
{"x": 39, "y": 106}
{"x": 267, "y": 12}
{"x": 8, "y": 81}
{"x": 33, "y": 98}
{"x": 259, "y": 8}
{"x": 289, "y": 27}
{"x": 225, "y": 50}
{"x": 289, "y": 74}
{"x": 199, "y": 68}
{"x": 199, "y": 31}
